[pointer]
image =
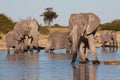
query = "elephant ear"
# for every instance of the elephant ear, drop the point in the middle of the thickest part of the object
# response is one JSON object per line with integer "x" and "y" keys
{"x": 93, "y": 24}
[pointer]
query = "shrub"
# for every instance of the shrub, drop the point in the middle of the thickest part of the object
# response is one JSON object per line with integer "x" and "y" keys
{"x": 114, "y": 25}
{"x": 6, "y": 24}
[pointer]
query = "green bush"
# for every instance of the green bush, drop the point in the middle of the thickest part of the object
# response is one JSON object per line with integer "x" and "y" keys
{"x": 6, "y": 24}
{"x": 114, "y": 25}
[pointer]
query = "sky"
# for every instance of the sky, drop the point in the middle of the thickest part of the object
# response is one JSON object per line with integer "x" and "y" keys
{"x": 106, "y": 10}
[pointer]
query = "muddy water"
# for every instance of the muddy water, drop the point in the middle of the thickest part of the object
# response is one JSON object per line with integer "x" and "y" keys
{"x": 56, "y": 66}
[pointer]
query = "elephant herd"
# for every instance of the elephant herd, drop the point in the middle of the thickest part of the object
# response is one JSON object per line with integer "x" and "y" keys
{"x": 79, "y": 40}
{"x": 24, "y": 36}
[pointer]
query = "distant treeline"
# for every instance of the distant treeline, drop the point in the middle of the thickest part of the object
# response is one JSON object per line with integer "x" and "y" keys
{"x": 114, "y": 25}
{"x": 7, "y": 24}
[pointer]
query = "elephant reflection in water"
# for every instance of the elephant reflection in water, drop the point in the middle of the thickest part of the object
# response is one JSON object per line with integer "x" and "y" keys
{"x": 57, "y": 56}
{"x": 109, "y": 50}
{"x": 83, "y": 24}
{"x": 22, "y": 56}
{"x": 84, "y": 72}
{"x": 23, "y": 63}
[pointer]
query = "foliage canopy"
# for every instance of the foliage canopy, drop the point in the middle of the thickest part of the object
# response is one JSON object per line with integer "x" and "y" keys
{"x": 6, "y": 24}
{"x": 114, "y": 25}
{"x": 48, "y": 16}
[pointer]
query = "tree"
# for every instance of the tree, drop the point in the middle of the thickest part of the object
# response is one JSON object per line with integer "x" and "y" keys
{"x": 6, "y": 24}
{"x": 48, "y": 16}
{"x": 114, "y": 25}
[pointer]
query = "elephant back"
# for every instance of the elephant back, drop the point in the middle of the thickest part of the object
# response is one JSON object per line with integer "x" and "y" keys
{"x": 78, "y": 20}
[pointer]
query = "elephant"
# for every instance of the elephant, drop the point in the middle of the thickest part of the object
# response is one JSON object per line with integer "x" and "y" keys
{"x": 109, "y": 36}
{"x": 28, "y": 27}
{"x": 58, "y": 40}
{"x": 83, "y": 25}
{"x": 22, "y": 28}
{"x": 24, "y": 32}
{"x": 33, "y": 24}
{"x": 13, "y": 40}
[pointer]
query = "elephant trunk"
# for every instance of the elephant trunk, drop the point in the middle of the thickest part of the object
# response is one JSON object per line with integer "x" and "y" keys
{"x": 74, "y": 38}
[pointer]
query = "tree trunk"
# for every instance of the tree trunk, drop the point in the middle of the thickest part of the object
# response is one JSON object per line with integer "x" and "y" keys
{"x": 49, "y": 24}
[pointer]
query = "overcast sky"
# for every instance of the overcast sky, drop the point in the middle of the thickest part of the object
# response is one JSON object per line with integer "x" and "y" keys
{"x": 107, "y": 10}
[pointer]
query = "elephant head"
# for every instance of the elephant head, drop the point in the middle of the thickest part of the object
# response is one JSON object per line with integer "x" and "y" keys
{"x": 28, "y": 27}
{"x": 78, "y": 24}
{"x": 33, "y": 24}
{"x": 82, "y": 24}
{"x": 22, "y": 28}
{"x": 34, "y": 33}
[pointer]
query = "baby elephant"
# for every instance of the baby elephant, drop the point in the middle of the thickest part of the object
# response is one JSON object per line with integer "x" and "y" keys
{"x": 58, "y": 40}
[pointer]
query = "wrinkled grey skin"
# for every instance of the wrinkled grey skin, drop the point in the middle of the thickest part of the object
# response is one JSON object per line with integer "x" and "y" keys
{"x": 58, "y": 40}
{"x": 28, "y": 28}
{"x": 14, "y": 41}
{"x": 109, "y": 36}
{"x": 33, "y": 24}
{"x": 83, "y": 24}
{"x": 24, "y": 36}
{"x": 22, "y": 28}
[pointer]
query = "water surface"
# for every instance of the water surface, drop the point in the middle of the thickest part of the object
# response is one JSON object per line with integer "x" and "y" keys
{"x": 56, "y": 66}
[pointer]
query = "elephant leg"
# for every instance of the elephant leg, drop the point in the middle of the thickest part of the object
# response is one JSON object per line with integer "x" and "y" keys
{"x": 81, "y": 53}
{"x": 16, "y": 50}
{"x": 86, "y": 54}
{"x": 74, "y": 49}
{"x": 67, "y": 47}
{"x": 49, "y": 45}
{"x": 23, "y": 48}
{"x": 46, "y": 49}
{"x": 31, "y": 47}
{"x": 74, "y": 53}
{"x": 110, "y": 44}
{"x": 116, "y": 45}
{"x": 74, "y": 57}
{"x": 51, "y": 50}
{"x": 8, "y": 49}
{"x": 93, "y": 49}
{"x": 38, "y": 49}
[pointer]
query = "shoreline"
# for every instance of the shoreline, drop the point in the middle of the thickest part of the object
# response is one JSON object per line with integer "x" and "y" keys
{"x": 42, "y": 43}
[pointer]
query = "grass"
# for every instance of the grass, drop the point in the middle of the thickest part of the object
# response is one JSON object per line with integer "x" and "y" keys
{"x": 61, "y": 29}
